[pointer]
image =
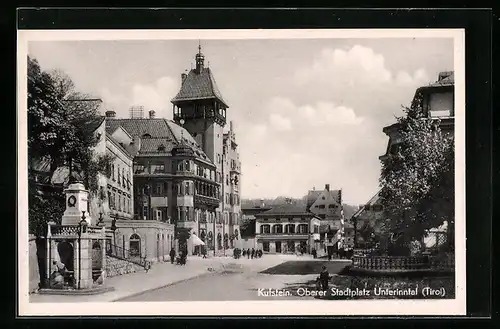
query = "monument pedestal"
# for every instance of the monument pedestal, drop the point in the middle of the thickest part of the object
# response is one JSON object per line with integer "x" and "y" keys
{"x": 76, "y": 258}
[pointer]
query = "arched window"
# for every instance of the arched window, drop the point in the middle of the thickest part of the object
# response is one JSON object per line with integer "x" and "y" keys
{"x": 290, "y": 228}
{"x": 303, "y": 229}
{"x": 135, "y": 245}
{"x": 265, "y": 229}
{"x": 277, "y": 228}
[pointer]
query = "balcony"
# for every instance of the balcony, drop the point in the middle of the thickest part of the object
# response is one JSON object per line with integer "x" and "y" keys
{"x": 206, "y": 200}
{"x": 159, "y": 201}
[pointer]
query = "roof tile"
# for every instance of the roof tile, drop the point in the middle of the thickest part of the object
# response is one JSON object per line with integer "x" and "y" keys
{"x": 199, "y": 86}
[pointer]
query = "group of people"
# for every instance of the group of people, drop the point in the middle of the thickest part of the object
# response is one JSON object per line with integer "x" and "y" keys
{"x": 181, "y": 259}
{"x": 253, "y": 253}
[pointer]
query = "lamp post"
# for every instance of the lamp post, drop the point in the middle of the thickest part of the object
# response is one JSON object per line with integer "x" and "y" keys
{"x": 82, "y": 228}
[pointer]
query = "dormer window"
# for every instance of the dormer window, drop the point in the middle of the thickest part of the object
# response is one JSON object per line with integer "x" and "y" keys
{"x": 161, "y": 148}
{"x": 146, "y": 136}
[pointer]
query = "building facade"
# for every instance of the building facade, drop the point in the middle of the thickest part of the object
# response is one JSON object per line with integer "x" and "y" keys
{"x": 200, "y": 109}
{"x": 367, "y": 222}
{"x": 437, "y": 100}
{"x": 174, "y": 181}
{"x": 286, "y": 229}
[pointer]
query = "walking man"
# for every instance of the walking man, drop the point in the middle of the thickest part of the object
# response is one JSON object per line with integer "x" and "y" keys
{"x": 324, "y": 277}
{"x": 172, "y": 255}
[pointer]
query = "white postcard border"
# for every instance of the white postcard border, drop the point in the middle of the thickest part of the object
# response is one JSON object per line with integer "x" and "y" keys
{"x": 455, "y": 306}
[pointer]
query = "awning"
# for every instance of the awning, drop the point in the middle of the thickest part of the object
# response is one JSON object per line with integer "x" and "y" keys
{"x": 196, "y": 240}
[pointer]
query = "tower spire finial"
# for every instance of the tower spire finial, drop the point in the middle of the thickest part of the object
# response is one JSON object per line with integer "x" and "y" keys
{"x": 199, "y": 46}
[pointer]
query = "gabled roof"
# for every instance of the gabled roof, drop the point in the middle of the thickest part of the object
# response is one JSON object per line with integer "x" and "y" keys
{"x": 127, "y": 151}
{"x": 200, "y": 85}
{"x": 373, "y": 200}
{"x": 286, "y": 210}
{"x": 313, "y": 195}
{"x": 156, "y": 132}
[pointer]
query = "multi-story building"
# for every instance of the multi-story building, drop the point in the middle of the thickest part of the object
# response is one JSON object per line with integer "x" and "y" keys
{"x": 326, "y": 204}
{"x": 200, "y": 109}
{"x": 437, "y": 100}
{"x": 286, "y": 229}
{"x": 174, "y": 181}
{"x": 248, "y": 216}
{"x": 367, "y": 222}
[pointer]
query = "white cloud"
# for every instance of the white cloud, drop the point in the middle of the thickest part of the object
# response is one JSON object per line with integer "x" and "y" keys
{"x": 279, "y": 122}
{"x": 357, "y": 78}
{"x": 155, "y": 96}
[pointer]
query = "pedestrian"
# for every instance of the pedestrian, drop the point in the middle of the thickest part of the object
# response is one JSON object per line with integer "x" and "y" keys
{"x": 172, "y": 255}
{"x": 248, "y": 253}
{"x": 204, "y": 251}
{"x": 313, "y": 252}
{"x": 253, "y": 253}
{"x": 244, "y": 252}
{"x": 324, "y": 277}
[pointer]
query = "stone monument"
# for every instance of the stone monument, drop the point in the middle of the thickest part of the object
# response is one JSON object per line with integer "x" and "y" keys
{"x": 76, "y": 249}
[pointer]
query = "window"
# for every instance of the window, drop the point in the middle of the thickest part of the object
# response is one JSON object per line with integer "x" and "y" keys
{"x": 321, "y": 206}
{"x": 128, "y": 180}
{"x": 218, "y": 158}
{"x": 277, "y": 229}
{"x": 159, "y": 215}
{"x": 138, "y": 169}
{"x": 145, "y": 212}
{"x": 330, "y": 206}
{"x": 159, "y": 189}
{"x": 187, "y": 188}
{"x": 158, "y": 168}
{"x": 113, "y": 171}
{"x": 110, "y": 200}
{"x": 290, "y": 245}
{"x": 265, "y": 229}
{"x": 135, "y": 245}
{"x": 227, "y": 179}
{"x": 290, "y": 229}
{"x": 316, "y": 229}
{"x": 118, "y": 174}
{"x": 265, "y": 246}
{"x": 123, "y": 177}
{"x": 119, "y": 202}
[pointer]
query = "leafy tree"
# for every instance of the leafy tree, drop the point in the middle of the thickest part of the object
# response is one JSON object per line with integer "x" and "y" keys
{"x": 417, "y": 180}
{"x": 61, "y": 129}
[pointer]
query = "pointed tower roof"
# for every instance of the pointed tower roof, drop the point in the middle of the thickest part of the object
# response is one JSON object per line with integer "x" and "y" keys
{"x": 199, "y": 83}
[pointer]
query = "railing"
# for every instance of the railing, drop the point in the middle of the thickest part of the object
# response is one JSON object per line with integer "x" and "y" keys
{"x": 64, "y": 230}
{"x": 125, "y": 254}
{"x": 404, "y": 263}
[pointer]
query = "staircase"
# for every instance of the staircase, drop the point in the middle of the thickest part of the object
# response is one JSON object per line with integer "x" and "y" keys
{"x": 120, "y": 253}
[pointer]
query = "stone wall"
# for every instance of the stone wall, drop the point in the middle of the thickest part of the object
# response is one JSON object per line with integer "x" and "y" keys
{"x": 115, "y": 266}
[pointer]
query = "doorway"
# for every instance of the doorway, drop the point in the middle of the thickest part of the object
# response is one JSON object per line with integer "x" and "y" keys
{"x": 278, "y": 246}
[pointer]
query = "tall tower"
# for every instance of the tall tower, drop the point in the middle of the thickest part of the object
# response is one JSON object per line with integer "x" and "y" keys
{"x": 200, "y": 108}
{"x": 200, "y": 104}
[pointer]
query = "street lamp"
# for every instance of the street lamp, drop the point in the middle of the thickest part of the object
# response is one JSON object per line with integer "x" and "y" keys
{"x": 82, "y": 228}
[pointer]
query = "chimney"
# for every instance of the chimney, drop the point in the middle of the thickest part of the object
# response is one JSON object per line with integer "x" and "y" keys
{"x": 327, "y": 187}
{"x": 110, "y": 114}
{"x": 444, "y": 75}
{"x": 183, "y": 78}
{"x": 262, "y": 204}
{"x": 152, "y": 114}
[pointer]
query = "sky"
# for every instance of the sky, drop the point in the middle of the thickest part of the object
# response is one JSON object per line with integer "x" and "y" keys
{"x": 306, "y": 112}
